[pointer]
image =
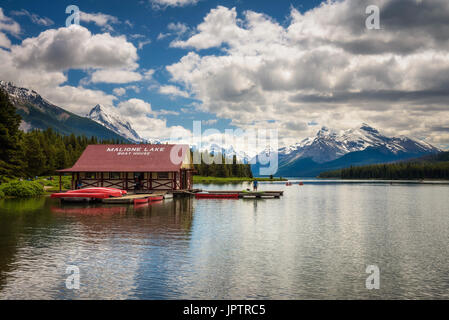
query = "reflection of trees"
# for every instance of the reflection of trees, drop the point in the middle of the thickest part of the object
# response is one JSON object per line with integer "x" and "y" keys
{"x": 44, "y": 222}
{"x": 18, "y": 220}
{"x": 100, "y": 220}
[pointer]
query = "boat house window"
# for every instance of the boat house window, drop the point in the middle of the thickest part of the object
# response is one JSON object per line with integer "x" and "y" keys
{"x": 162, "y": 175}
{"x": 91, "y": 175}
{"x": 114, "y": 175}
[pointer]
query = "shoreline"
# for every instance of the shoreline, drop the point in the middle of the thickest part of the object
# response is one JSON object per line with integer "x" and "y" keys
{"x": 201, "y": 179}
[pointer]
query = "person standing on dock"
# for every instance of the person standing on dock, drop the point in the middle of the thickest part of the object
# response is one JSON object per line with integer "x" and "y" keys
{"x": 255, "y": 185}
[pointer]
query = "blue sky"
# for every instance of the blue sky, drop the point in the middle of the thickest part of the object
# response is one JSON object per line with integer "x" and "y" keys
{"x": 286, "y": 65}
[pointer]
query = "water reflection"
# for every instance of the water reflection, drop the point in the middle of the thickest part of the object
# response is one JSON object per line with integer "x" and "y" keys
{"x": 315, "y": 242}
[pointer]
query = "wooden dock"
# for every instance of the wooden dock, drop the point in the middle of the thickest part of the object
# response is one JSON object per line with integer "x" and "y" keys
{"x": 242, "y": 194}
{"x": 252, "y": 195}
{"x": 128, "y": 199}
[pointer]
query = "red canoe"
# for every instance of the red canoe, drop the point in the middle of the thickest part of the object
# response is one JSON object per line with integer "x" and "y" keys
{"x": 80, "y": 195}
{"x": 140, "y": 201}
{"x": 216, "y": 196}
{"x": 110, "y": 191}
{"x": 158, "y": 198}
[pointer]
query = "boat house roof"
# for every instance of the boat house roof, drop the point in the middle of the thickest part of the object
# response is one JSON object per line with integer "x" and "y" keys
{"x": 133, "y": 158}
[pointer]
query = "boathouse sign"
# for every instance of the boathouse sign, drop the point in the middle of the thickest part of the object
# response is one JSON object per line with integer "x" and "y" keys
{"x": 135, "y": 151}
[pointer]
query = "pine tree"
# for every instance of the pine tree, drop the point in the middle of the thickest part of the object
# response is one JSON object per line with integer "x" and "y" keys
{"x": 10, "y": 138}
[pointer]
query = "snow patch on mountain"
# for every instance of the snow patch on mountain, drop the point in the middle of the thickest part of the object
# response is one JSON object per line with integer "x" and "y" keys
{"x": 111, "y": 120}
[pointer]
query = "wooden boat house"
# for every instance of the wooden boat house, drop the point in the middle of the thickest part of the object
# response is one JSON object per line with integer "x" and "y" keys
{"x": 133, "y": 167}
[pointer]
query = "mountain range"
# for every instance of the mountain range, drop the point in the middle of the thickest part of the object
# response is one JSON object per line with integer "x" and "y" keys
{"x": 38, "y": 113}
{"x": 330, "y": 150}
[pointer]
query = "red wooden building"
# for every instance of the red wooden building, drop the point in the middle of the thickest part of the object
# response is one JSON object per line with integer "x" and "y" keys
{"x": 133, "y": 167}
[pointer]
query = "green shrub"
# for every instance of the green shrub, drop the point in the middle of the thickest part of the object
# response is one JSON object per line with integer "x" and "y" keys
{"x": 2, "y": 194}
{"x": 22, "y": 189}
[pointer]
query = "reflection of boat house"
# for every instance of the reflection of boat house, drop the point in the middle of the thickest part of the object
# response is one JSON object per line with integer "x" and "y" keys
{"x": 133, "y": 167}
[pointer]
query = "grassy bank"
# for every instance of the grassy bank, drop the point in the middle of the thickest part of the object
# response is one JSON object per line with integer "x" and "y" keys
{"x": 200, "y": 179}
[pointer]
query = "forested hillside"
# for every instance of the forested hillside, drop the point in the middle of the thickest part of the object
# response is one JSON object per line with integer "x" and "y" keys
{"x": 428, "y": 167}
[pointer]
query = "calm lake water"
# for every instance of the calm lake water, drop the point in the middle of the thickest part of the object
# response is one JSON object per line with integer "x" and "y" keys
{"x": 314, "y": 243}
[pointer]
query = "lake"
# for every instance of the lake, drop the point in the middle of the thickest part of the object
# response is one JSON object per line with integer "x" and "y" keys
{"x": 314, "y": 243}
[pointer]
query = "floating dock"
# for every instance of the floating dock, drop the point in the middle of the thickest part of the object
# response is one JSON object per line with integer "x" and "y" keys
{"x": 248, "y": 194}
{"x": 129, "y": 199}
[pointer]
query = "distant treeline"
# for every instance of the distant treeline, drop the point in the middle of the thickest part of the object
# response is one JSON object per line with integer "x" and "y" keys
{"x": 431, "y": 167}
{"x": 222, "y": 170}
{"x": 38, "y": 153}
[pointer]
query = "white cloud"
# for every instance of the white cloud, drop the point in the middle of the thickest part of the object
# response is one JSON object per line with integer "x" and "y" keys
{"x": 145, "y": 121}
{"x": 78, "y": 100}
{"x": 105, "y": 21}
{"x": 173, "y": 91}
{"x": 115, "y": 76}
{"x": 74, "y": 48}
{"x": 219, "y": 25}
{"x": 143, "y": 43}
{"x": 134, "y": 107}
{"x": 323, "y": 66}
{"x": 4, "y": 41}
{"x": 172, "y": 3}
{"x": 119, "y": 91}
{"x": 176, "y": 29}
{"x": 8, "y": 25}
{"x": 36, "y": 19}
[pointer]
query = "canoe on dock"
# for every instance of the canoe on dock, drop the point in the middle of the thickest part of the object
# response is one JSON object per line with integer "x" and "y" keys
{"x": 129, "y": 199}
{"x": 78, "y": 195}
{"x": 156, "y": 198}
{"x": 140, "y": 201}
{"x": 110, "y": 192}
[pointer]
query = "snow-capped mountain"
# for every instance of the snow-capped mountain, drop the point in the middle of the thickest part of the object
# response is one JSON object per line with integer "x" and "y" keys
{"x": 111, "y": 120}
{"x": 39, "y": 113}
{"x": 329, "y": 145}
{"x": 330, "y": 150}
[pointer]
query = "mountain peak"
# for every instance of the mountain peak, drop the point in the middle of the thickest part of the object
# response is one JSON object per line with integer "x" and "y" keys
{"x": 366, "y": 127}
{"x": 98, "y": 108}
{"x": 110, "y": 119}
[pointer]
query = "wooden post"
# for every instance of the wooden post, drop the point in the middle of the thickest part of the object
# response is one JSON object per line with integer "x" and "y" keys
{"x": 73, "y": 179}
{"x": 181, "y": 173}
{"x": 174, "y": 180}
{"x": 60, "y": 182}
{"x": 151, "y": 180}
{"x": 126, "y": 180}
{"x": 102, "y": 177}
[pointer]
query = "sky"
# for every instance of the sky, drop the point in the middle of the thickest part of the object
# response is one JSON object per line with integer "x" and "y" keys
{"x": 292, "y": 66}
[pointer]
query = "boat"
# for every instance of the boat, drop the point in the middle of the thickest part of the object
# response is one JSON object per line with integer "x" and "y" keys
{"x": 216, "y": 196}
{"x": 157, "y": 198}
{"x": 88, "y": 194}
{"x": 140, "y": 201}
{"x": 111, "y": 191}
{"x": 79, "y": 195}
